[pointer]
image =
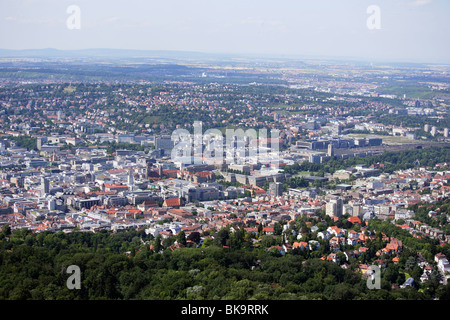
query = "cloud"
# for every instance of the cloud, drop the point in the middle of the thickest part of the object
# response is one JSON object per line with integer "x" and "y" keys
{"x": 420, "y": 2}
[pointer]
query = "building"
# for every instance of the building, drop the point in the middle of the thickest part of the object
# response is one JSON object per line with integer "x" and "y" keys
{"x": 17, "y": 181}
{"x": 164, "y": 142}
{"x": 173, "y": 202}
{"x": 334, "y": 207}
{"x": 275, "y": 189}
{"x": 417, "y": 104}
{"x": 40, "y": 141}
{"x": 73, "y": 141}
{"x": 179, "y": 214}
{"x": 314, "y": 158}
{"x": 360, "y": 143}
{"x": 125, "y": 138}
{"x": 114, "y": 200}
{"x": 342, "y": 175}
{"x": 115, "y": 187}
{"x": 130, "y": 178}
{"x": 310, "y": 125}
{"x": 36, "y": 163}
{"x": 374, "y": 142}
{"x": 357, "y": 210}
{"x": 433, "y": 131}
{"x": 330, "y": 152}
{"x": 45, "y": 186}
{"x": 86, "y": 203}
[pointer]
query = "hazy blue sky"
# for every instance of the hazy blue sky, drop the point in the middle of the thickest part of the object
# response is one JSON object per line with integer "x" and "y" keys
{"x": 411, "y": 30}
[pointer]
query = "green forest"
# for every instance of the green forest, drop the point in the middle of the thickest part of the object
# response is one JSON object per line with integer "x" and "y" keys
{"x": 33, "y": 266}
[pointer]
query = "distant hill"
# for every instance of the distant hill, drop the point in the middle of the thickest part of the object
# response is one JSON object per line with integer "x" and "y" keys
{"x": 146, "y": 55}
{"x": 97, "y": 52}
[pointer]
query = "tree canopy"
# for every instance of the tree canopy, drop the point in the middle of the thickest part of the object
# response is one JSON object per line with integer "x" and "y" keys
{"x": 122, "y": 265}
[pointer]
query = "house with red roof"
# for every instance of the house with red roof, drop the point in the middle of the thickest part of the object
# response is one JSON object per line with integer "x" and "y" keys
{"x": 115, "y": 187}
{"x": 179, "y": 214}
{"x": 333, "y": 257}
{"x": 300, "y": 245}
{"x": 363, "y": 249}
{"x": 172, "y": 173}
{"x": 146, "y": 205}
{"x": 394, "y": 246}
{"x": 336, "y": 231}
{"x": 354, "y": 220}
{"x": 173, "y": 202}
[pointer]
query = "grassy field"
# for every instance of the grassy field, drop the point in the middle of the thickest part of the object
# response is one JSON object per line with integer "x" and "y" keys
{"x": 411, "y": 91}
{"x": 304, "y": 174}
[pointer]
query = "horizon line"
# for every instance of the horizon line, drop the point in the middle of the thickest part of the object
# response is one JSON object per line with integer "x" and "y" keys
{"x": 290, "y": 56}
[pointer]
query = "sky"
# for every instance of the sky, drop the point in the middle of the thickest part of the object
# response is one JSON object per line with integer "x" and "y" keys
{"x": 397, "y": 31}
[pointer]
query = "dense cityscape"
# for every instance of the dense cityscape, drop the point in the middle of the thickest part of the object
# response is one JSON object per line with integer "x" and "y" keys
{"x": 323, "y": 170}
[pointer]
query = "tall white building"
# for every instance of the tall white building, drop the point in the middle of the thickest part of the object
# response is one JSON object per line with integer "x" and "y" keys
{"x": 433, "y": 131}
{"x": 130, "y": 180}
{"x": 330, "y": 152}
{"x": 334, "y": 207}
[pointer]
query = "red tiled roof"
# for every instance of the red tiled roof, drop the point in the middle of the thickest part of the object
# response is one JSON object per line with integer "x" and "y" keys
{"x": 300, "y": 244}
{"x": 354, "y": 220}
{"x": 172, "y": 202}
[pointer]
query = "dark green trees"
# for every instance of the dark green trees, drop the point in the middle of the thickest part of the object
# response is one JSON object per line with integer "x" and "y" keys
{"x": 121, "y": 266}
